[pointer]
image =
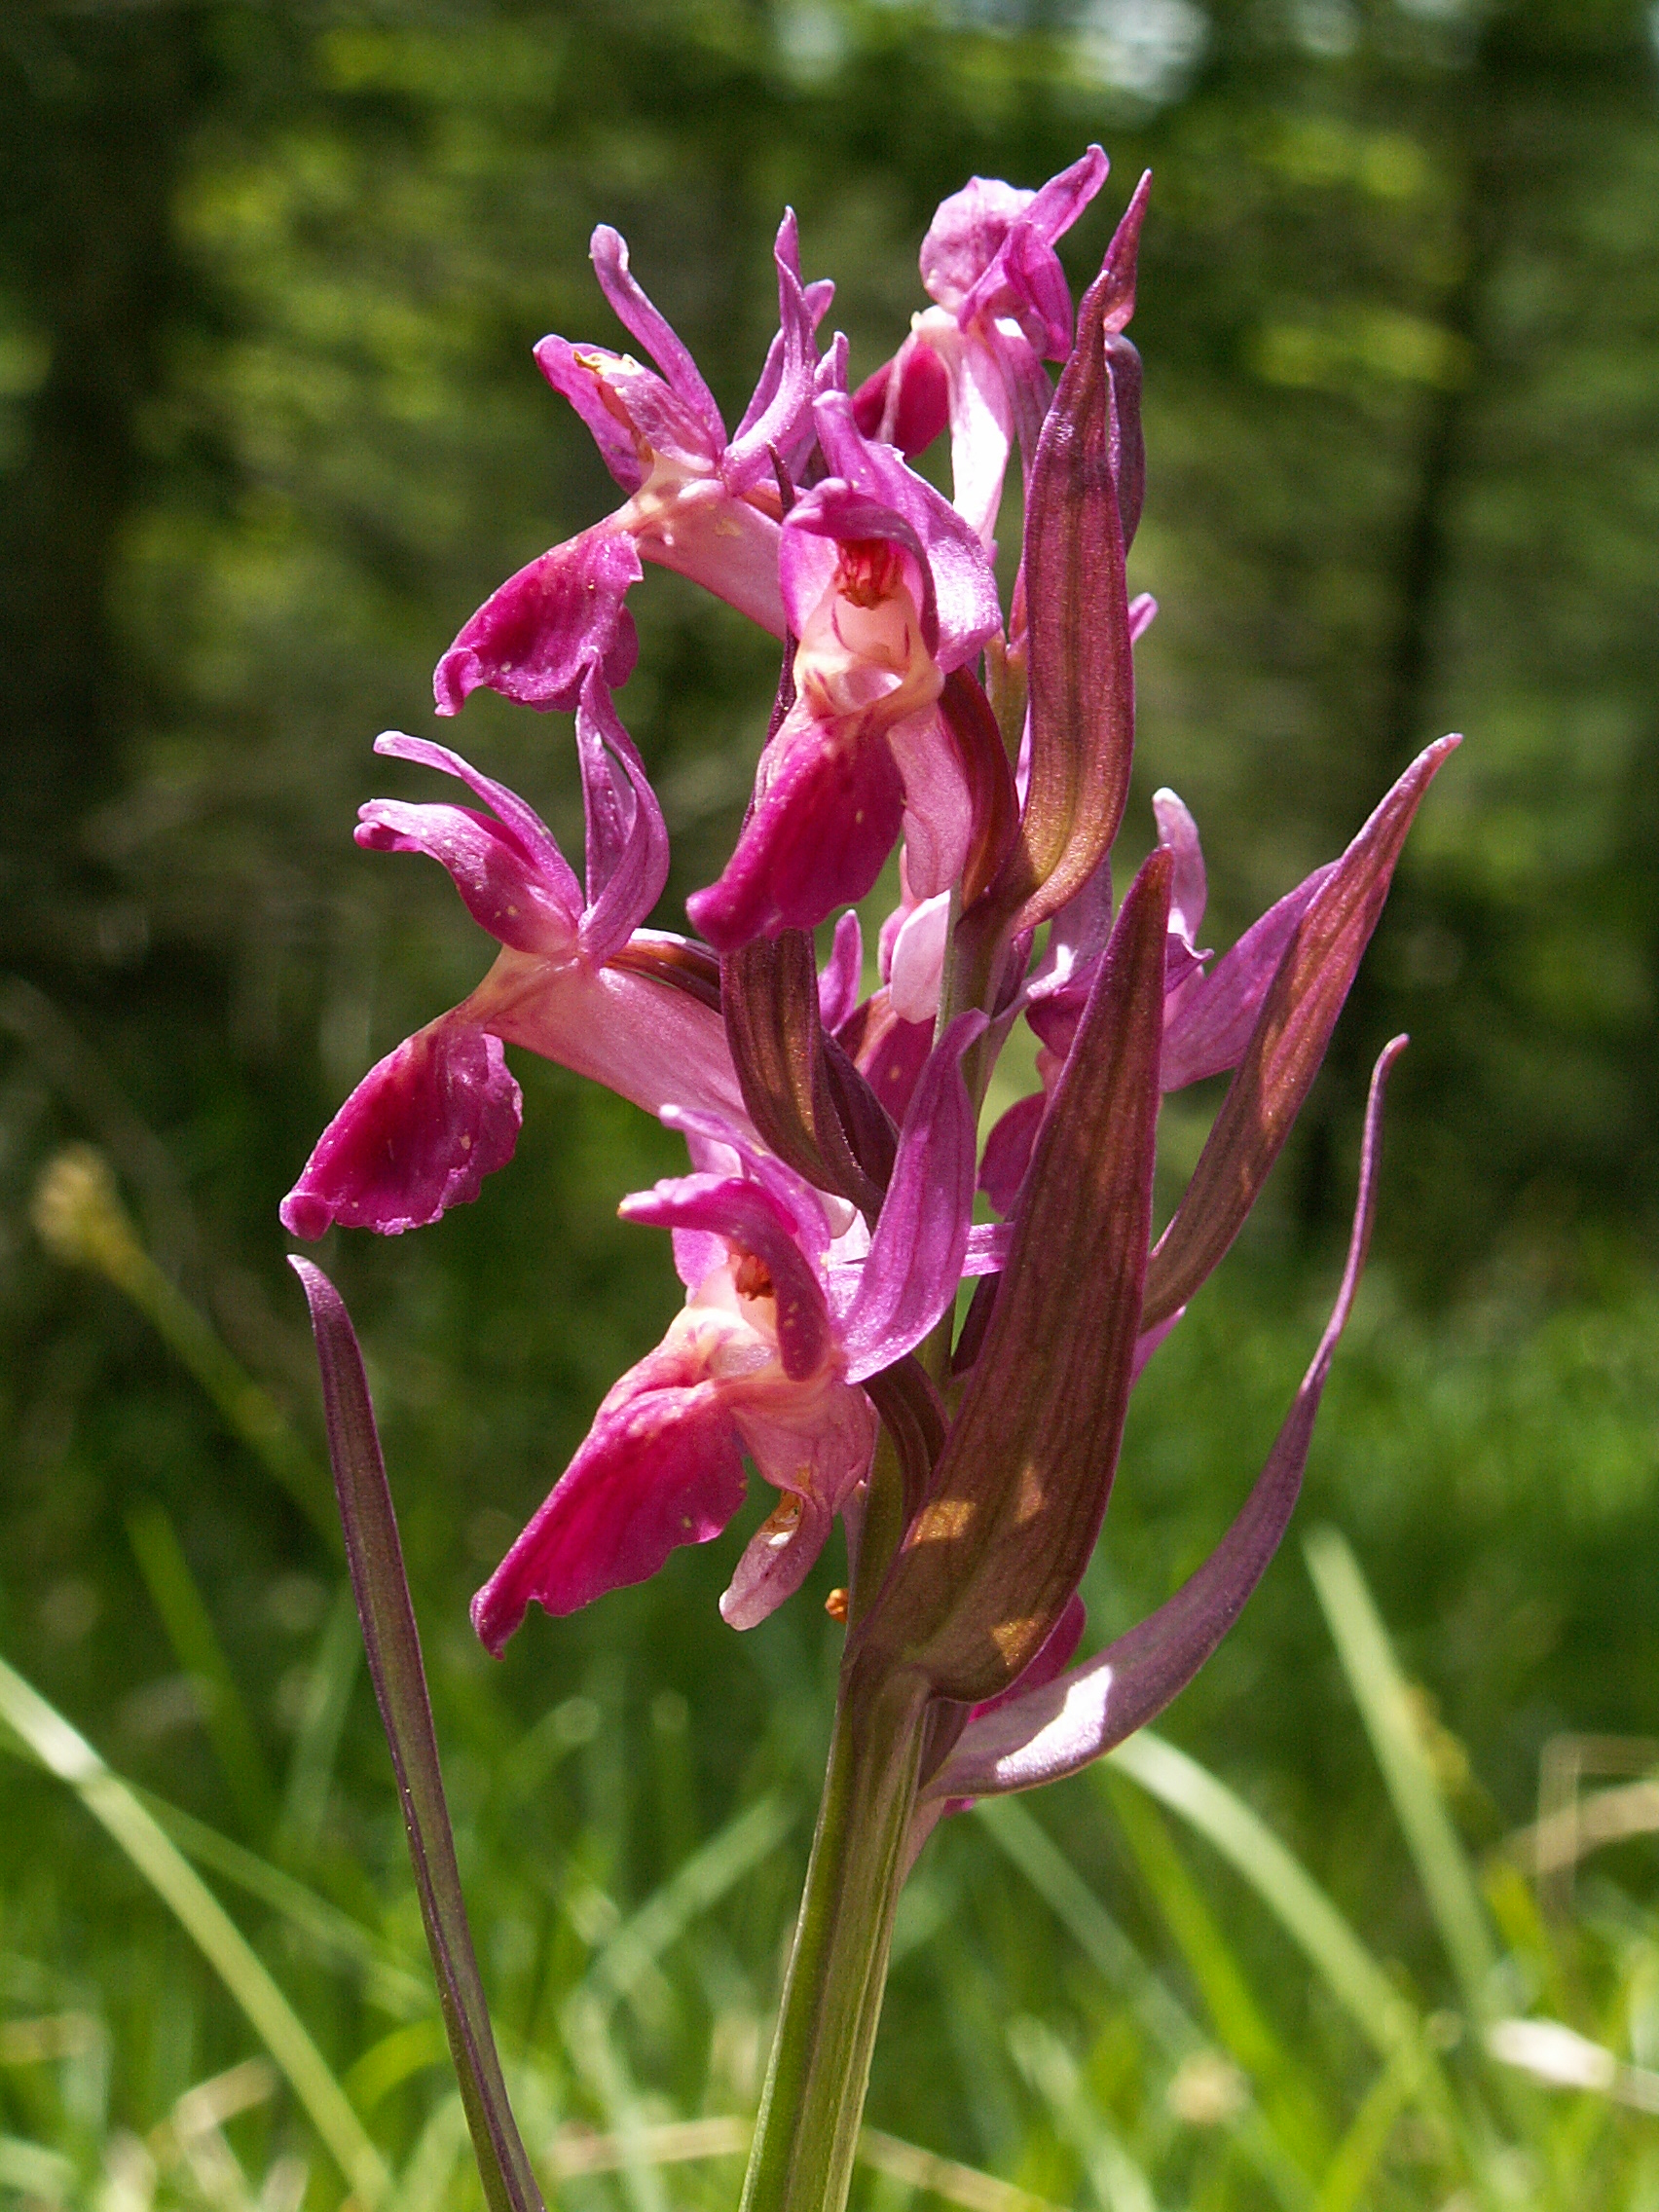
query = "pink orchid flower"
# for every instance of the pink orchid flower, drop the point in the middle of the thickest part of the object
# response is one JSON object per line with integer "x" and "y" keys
{"x": 783, "y": 1321}
{"x": 887, "y": 591}
{"x": 975, "y": 357}
{"x": 699, "y": 501}
{"x": 575, "y": 980}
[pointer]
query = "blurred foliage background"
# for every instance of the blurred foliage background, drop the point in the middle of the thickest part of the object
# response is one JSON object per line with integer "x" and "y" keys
{"x": 269, "y": 431}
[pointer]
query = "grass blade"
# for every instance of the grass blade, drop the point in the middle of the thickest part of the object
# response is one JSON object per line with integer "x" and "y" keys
{"x": 1159, "y": 2012}
{"x": 66, "y": 1754}
{"x": 1289, "y": 2103}
{"x": 189, "y": 1629}
{"x": 706, "y": 1876}
{"x": 1300, "y": 1906}
{"x": 1380, "y": 1692}
{"x": 328, "y": 1697}
{"x": 392, "y": 1643}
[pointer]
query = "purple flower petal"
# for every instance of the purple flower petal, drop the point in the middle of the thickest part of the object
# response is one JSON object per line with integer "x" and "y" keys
{"x": 1209, "y": 1027}
{"x": 660, "y": 1467}
{"x": 1055, "y": 1730}
{"x": 802, "y": 1205}
{"x": 751, "y": 1222}
{"x": 627, "y": 839}
{"x": 418, "y": 1134}
{"x": 915, "y": 1256}
{"x": 970, "y": 229}
{"x": 840, "y": 978}
{"x": 533, "y": 639}
{"x": 787, "y": 407}
{"x": 651, "y": 327}
{"x": 578, "y": 373}
{"x": 511, "y": 875}
{"x": 826, "y": 816}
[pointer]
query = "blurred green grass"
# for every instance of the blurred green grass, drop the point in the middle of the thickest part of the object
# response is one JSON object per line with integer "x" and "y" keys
{"x": 1084, "y": 2003}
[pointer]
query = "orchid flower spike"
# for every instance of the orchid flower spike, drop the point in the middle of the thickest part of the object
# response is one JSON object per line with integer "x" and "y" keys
{"x": 575, "y": 980}
{"x": 698, "y": 502}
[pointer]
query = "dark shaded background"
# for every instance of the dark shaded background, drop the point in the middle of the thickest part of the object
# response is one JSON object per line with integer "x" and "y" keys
{"x": 269, "y": 430}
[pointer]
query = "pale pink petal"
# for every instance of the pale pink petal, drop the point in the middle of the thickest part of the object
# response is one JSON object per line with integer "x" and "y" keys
{"x": 938, "y": 804}
{"x": 640, "y": 1038}
{"x": 917, "y": 963}
{"x": 815, "y": 1447}
{"x": 1177, "y": 829}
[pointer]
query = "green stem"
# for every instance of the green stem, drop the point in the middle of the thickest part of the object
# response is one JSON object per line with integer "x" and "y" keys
{"x": 807, "y": 2132}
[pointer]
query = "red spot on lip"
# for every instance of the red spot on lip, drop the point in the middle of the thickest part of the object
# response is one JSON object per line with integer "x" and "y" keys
{"x": 869, "y": 570}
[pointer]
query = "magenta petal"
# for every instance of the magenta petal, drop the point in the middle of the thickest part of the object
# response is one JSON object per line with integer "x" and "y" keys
{"x": 826, "y": 818}
{"x": 627, "y": 839}
{"x": 511, "y": 875}
{"x": 841, "y": 974}
{"x": 526, "y": 826}
{"x": 750, "y": 1219}
{"x": 906, "y": 403}
{"x": 915, "y": 1256}
{"x": 574, "y": 373}
{"x": 418, "y": 1134}
{"x": 501, "y": 890}
{"x": 660, "y": 1467}
{"x": 1008, "y": 1151}
{"x": 532, "y": 640}
{"x": 787, "y": 406}
{"x": 651, "y": 328}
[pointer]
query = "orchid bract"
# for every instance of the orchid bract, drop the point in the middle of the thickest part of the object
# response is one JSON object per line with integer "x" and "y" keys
{"x": 824, "y": 1224}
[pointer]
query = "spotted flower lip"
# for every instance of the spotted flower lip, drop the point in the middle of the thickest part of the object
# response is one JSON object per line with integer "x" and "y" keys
{"x": 698, "y": 502}
{"x": 431, "y": 1120}
{"x": 784, "y": 1320}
